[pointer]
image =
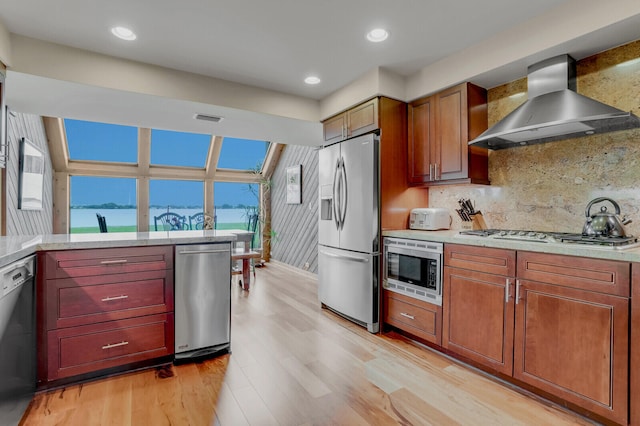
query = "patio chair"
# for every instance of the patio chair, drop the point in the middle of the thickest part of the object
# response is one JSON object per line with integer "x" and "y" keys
{"x": 243, "y": 257}
{"x": 102, "y": 223}
{"x": 170, "y": 222}
{"x": 203, "y": 221}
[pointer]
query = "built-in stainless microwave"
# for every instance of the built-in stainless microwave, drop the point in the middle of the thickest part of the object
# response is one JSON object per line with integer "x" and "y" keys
{"x": 414, "y": 268}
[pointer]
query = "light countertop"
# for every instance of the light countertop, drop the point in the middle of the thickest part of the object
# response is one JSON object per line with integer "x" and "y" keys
{"x": 14, "y": 248}
{"x": 631, "y": 254}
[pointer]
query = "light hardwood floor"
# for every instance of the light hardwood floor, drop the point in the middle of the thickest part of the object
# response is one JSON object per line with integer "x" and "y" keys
{"x": 295, "y": 364}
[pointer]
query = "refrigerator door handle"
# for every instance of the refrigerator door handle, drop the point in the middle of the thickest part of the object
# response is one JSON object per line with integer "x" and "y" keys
{"x": 351, "y": 258}
{"x": 345, "y": 199}
{"x": 336, "y": 200}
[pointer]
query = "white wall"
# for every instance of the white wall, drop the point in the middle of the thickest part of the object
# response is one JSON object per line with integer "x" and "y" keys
{"x": 5, "y": 46}
{"x": 65, "y": 63}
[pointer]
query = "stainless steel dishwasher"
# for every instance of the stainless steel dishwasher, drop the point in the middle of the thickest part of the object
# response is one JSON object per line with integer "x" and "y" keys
{"x": 17, "y": 340}
{"x": 202, "y": 300}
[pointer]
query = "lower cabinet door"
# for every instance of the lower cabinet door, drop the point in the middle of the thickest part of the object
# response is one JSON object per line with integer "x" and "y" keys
{"x": 84, "y": 349}
{"x": 574, "y": 344}
{"x": 478, "y": 317}
{"x": 414, "y": 316}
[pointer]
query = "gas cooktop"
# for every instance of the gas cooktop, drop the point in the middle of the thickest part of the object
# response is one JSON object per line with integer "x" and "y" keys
{"x": 553, "y": 237}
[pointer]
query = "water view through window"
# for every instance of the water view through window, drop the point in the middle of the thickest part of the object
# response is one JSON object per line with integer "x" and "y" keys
{"x": 115, "y": 198}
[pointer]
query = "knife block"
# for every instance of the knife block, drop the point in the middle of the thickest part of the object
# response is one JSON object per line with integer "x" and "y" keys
{"x": 477, "y": 222}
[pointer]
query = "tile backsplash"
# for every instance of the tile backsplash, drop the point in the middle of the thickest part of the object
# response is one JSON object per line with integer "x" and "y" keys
{"x": 547, "y": 187}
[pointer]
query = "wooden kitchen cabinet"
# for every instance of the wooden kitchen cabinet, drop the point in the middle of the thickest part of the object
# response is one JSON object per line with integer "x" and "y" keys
{"x": 414, "y": 316}
{"x": 439, "y": 129}
{"x": 102, "y": 308}
{"x": 557, "y": 323}
{"x": 353, "y": 122}
{"x": 572, "y": 330}
{"x": 478, "y": 308}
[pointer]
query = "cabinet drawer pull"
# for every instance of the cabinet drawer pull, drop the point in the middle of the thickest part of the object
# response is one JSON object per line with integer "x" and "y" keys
{"x": 109, "y": 299}
{"x": 431, "y": 172}
{"x": 113, "y": 262}
{"x": 411, "y": 317}
{"x": 517, "y": 291}
{"x": 506, "y": 291}
{"x": 435, "y": 166}
{"x": 115, "y": 345}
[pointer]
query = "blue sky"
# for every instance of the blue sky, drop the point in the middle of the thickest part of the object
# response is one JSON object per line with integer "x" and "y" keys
{"x": 107, "y": 142}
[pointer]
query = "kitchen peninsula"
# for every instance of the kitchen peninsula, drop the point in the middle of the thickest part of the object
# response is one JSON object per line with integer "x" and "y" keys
{"x": 104, "y": 303}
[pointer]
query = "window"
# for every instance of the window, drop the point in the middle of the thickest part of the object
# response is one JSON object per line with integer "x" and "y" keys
{"x": 88, "y": 140}
{"x": 113, "y": 198}
{"x": 242, "y": 154}
{"x": 179, "y": 148}
{"x": 178, "y": 196}
{"x": 234, "y": 202}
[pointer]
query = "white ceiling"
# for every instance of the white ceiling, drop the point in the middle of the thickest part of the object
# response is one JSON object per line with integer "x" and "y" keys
{"x": 270, "y": 44}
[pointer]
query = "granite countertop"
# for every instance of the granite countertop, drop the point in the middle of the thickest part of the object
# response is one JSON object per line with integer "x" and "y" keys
{"x": 631, "y": 254}
{"x": 14, "y": 248}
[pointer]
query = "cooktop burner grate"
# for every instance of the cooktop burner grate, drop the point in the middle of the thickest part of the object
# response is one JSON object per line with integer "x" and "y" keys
{"x": 552, "y": 237}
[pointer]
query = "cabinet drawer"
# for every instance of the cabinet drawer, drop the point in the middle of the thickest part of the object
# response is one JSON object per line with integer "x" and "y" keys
{"x": 124, "y": 260}
{"x": 481, "y": 259}
{"x": 84, "y": 300}
{"x": 603, "y": 276}
{"x": 414, "y": 316}
{"x": 79, "y": 350}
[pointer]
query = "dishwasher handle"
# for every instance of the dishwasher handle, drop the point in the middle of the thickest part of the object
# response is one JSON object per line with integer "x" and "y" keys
{"x": 203, "y": 251}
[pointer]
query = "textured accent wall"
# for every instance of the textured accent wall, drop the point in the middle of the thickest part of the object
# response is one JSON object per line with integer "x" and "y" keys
{"x": 547, "y": 187}
{"x": 296, "y": 225}
{"x": 27, "y": 222}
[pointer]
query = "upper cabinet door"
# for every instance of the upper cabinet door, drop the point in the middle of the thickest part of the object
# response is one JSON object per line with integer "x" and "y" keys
{"x": 335, "y": 128}
{"x": 451, "y": 116}
{"x": 363, "y": 118}
{"x": 354, "y": 122}
{"x": 420, "y": 141}
{"x": 440, "y": 128}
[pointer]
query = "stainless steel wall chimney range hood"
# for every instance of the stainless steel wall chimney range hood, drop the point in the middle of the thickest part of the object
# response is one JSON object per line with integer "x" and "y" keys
{"x": 554, "y": 111}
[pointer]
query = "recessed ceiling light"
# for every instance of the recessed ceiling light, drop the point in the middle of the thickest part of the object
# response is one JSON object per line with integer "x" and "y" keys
{"x": 377, "y": 35}
{"x": 312, "y": 79}
{"x": 123, "y": 33}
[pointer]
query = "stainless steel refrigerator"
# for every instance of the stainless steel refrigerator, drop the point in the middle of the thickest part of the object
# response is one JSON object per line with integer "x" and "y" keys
{"x": 349, "y": 230}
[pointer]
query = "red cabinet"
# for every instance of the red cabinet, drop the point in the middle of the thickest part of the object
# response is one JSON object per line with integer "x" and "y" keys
{"x": 102, "y": 308}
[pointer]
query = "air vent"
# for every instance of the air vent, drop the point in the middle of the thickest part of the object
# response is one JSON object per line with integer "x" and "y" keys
{"x": 421, "y": 293}
{"x": 205, "y": 117}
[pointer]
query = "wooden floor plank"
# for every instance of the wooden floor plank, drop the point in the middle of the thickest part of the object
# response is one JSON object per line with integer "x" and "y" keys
{"x": 293, "y": 363}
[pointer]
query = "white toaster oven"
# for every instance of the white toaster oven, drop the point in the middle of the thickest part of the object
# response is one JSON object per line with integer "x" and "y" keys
{"x": 430, "y": 219}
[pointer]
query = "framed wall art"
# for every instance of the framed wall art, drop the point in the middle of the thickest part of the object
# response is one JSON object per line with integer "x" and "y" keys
{"x": 294, "y": 184}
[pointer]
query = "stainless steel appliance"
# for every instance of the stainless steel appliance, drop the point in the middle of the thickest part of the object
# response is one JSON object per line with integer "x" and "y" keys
{"x": 349, "y": 230}
{"x": 202, "y": 299}
{"x": 414, "y": 268}
{"x": 17, "y": 340}
{"x": 605, "y": 242}
{"x": 554, "y": 110}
